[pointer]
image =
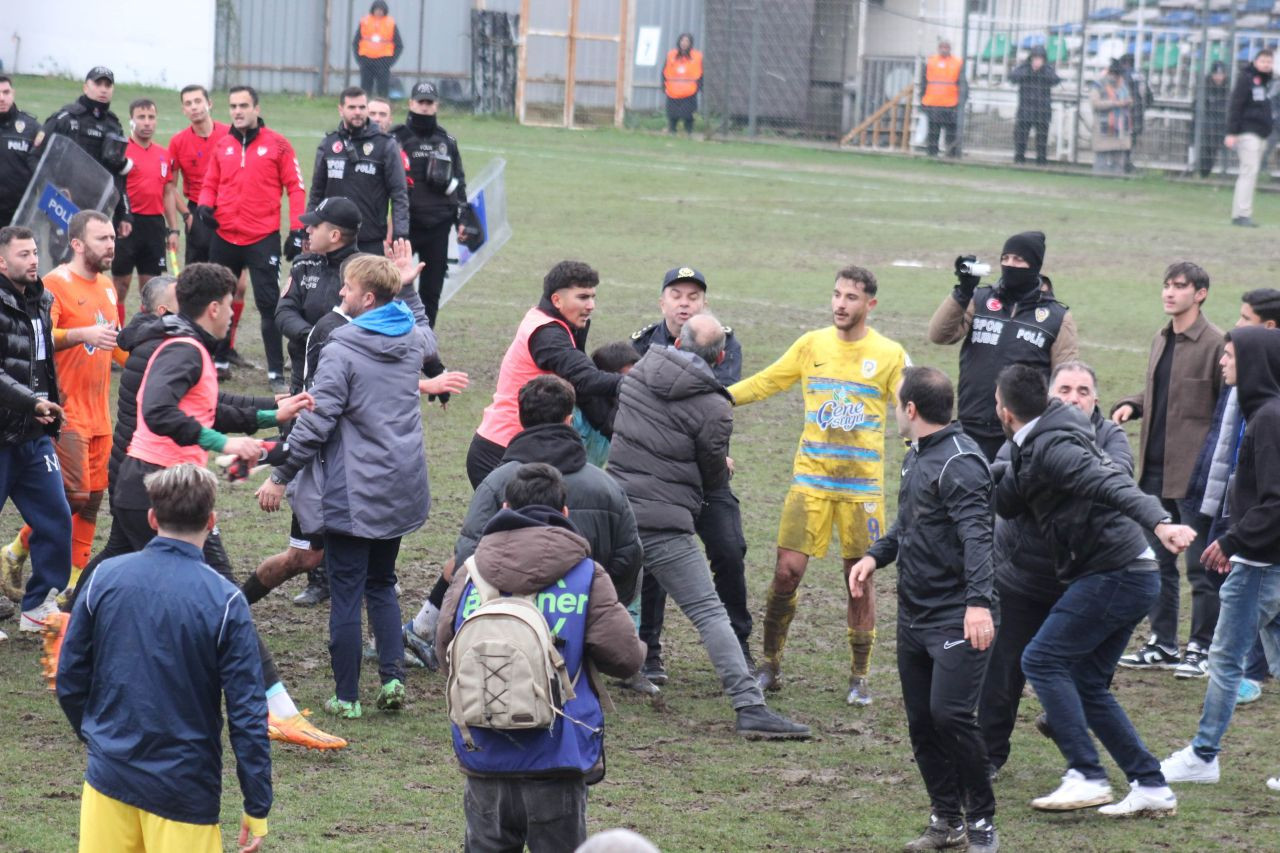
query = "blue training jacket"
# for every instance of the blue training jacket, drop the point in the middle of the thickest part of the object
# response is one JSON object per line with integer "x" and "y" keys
{"x": 156, "y": 640}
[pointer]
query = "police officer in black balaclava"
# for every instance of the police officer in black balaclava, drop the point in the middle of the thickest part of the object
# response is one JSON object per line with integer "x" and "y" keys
{"x": 1013, "y": 322}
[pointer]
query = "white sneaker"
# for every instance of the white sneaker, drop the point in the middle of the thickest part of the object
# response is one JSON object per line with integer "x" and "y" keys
{"x": 32, "y": 621}
{"x": 1274, "y": 783}
{"x": 1075, "y": 792}
{"x": 4, "y": 636}
{"x": 1185, "y": 766}
{"x": 1157, "y": 802}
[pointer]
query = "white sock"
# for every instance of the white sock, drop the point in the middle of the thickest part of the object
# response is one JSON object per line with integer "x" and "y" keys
{"x": 424, "y": 624}
{"x": 279, "y": 703}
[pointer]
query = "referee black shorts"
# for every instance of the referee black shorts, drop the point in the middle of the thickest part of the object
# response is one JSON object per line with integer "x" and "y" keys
{"x": 143, "y": 249}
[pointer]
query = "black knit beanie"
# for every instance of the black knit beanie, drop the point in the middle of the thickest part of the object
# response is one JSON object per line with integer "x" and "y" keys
{"x": 1029, "y": 245}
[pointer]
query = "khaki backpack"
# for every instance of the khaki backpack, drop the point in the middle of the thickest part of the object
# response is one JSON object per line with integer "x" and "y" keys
{"x": 505, "y": 671}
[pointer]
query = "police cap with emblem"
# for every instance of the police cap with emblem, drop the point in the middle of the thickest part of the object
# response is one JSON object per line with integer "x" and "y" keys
{"x": 425, "y": 91}
{"x": 338, "y": 210}
{"x": 101, "y": 72}
{"x": 680, "y": 275}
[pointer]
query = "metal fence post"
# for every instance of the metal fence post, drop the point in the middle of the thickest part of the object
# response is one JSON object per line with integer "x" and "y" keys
{"x": 1084, "y": 48}
{"x": 1202, "y": 96}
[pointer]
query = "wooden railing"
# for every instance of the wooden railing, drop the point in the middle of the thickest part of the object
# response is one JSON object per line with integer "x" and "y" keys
{"x": 886, "y": 120}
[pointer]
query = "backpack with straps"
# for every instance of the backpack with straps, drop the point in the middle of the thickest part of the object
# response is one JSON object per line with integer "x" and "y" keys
{"x": 505, "y": 671}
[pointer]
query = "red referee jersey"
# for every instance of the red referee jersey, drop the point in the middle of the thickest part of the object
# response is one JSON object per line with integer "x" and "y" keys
{"x": 244, "y": 181}
{"x": 189, "y": 154}
{"x": 145, "y": 181}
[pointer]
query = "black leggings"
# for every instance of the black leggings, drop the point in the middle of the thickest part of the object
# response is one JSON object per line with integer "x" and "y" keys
{"x": 130, "y": 533}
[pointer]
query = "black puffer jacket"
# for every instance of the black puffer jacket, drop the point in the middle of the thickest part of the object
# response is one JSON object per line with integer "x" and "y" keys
{"x": 597, "y": 505}
{"x": 670, "y": 438}
{"x": 1024, "y": 563}
{"x": 19, "y": 315}
{"x": 941, "y": 538}
{"x": 1089, "y": 510}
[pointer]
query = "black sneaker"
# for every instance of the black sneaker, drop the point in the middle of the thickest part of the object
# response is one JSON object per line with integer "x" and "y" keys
{"x": 983, "y": 837}
{"x": 639, "y": 684}
{"x": 939, "y": 836}
{"x": 223, "y": 370}
{"x": 655, "y": 672}
{"x": 1151, "y": 656}
{"x": 1195, "y": 663}
{"x": 279, "y": 385}
{"x": 422, "y": 649}
{"x": 235, "y": 359}
{"x": 757, "y": 722}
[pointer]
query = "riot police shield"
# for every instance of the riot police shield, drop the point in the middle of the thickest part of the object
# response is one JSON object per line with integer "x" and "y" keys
{"x": 66, "y": 181}
{"x": 487, "y": 195}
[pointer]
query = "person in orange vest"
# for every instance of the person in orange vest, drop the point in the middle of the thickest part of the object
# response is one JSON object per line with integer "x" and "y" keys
{"x": 944, "y": 90}
{"x": 682, "y": 80}
{"x": 377, "y": 46}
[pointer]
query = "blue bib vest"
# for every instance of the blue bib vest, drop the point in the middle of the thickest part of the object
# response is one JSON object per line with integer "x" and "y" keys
{"x": 566, "y": 747}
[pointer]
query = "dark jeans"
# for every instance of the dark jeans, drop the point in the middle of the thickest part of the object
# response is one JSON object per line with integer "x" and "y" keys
{"x": 262, "y": 259}
{"x": 673, "y": 122}
{"x": 1020, "y": 619}
{"x": 130, "y": 533}
{"x": 1070, "y": 663}
{"x": 482, "y": 457}
{"x": 31, "y": 477}
{"x": 375, "y": 75}
{"x": 362, "y": 570}
{"x": 1021, "y": 128}
{"x": 941, "y": 678}
{"x": 1204, "y": 594}
{"x": 940, "y": 118}
{"x": 432, "y": 246}
{"x": 548, "y": 815}
{"x": 199, "y": 241}
{"x": 719, "y": 526}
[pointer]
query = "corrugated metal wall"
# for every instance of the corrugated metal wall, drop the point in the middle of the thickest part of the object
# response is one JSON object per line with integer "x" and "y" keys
{"x": 278, "y": 45}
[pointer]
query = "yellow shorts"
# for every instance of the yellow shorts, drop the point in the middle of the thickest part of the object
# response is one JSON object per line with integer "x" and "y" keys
{"x": 110, "y": 826}
{"x": 807, "y": 521}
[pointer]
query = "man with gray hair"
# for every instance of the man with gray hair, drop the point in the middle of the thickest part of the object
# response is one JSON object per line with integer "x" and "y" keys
{"x": 670, "y": 445}
{"x": 160, "y": 295}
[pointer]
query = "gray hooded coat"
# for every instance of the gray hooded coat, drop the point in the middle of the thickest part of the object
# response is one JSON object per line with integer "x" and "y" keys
{"x": 356, "y": 464}
{"x": 670, "y": 438}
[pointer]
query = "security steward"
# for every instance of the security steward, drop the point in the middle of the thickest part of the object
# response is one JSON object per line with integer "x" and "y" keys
{"x": 944, "y": 90}
{"x": 17, "y": 135}
{"x": 360, "y": 162}
{"x": 719, "y": 524}
{"x": 90, "y": 123}
{"x": 377, "y": 45}
{"x": 437, "y": 191}
{"x": 1016, "y": 321}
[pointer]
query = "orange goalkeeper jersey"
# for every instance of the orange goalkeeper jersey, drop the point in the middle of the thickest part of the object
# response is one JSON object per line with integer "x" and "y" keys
{"x": 84, "y": 372}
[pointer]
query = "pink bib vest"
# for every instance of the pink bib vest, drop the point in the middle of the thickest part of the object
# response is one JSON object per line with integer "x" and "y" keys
{"x": 501, "y": 421}
{"x": 200, "y": 402}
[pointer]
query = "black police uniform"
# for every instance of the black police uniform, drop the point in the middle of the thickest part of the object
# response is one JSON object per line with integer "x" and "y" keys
{"x": 364, "y": 165}
{"x": 437, "y": 198}
{"x": 312, "y": 292}
{"x": 719, "y": 523}
{"x": 95, "y": 128}
{"x": 1002, "y": 333}
{"x": 17, "y": 136}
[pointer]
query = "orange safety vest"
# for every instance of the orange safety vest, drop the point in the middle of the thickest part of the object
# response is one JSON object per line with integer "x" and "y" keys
{"x": 377, "y": 37}
{"x": 200, "y": 402}
{"x": 681, "y": 74}
{"x": 942, "y": 81}
{"x": 501, "y": 419}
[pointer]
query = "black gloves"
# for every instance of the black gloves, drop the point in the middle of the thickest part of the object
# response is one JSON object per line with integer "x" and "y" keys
{"x": 204, "y": 213}
{"x": 967, "y": 283}
{"x": 293, "y": 243}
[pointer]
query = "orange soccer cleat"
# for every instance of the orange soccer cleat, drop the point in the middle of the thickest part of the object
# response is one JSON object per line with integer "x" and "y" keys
{"x": 298, "y": 730}
{"x": 55, "y": 630}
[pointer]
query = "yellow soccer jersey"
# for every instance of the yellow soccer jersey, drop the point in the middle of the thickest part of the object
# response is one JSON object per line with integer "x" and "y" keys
{"x": 847, "y": 389}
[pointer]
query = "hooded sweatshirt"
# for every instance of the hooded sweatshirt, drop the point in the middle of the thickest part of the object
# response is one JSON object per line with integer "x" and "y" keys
{"x": 670, "y": 438}
{"x": 1254, "y": 505}
{"x": 364, "y": 434}
{"x": 597, "y": 504}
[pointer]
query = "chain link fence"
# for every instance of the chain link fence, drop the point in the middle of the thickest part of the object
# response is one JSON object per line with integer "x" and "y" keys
{"x": 834, "y": 71}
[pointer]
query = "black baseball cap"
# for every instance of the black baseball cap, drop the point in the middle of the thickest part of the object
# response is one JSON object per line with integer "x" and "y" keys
{"x": 682, "y": 274}
{"x": 100, "y": 72}
{"x": 338, "y": 210}
{"x": 425, "y": 91}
